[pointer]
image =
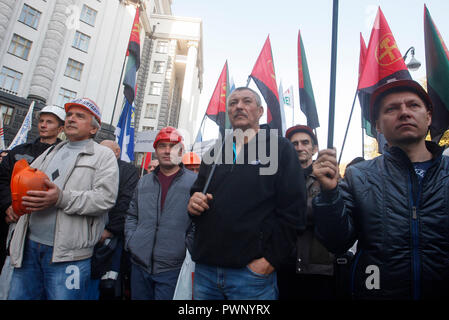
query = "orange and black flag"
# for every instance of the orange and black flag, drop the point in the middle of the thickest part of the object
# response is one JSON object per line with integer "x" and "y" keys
{"x": 306, "y": 97}
{"x": 216, "y": 110}
{"x": 363, "y": 50}
{"x": 133, "y": 64}
{"x": 437, "y": 68}
{"x": 383, "y": 63}
{"x": 265, "y": 78}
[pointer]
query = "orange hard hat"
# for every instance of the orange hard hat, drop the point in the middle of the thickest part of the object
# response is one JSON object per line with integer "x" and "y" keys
{"x": 25, "y": 178}
{"x": 167, "y": 134}
{"x": 191, "y": 158}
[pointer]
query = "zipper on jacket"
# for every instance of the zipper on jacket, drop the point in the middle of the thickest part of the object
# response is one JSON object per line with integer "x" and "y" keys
{"x": 416, "y": 272}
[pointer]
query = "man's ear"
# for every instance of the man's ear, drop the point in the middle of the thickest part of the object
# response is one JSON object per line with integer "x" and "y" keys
{"x": 315, "y": 149}
{"x": 260, "y": 111}
{"x": 378, "y": 129}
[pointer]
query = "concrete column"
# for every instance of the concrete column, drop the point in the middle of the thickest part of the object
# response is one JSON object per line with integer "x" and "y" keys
{"x": 186, "y": 113}
{"x": 44, "y": 72}
{"x": 6, "y": 10}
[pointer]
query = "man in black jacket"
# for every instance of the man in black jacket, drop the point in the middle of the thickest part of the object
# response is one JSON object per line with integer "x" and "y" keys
{"x": 112, "y": 267}
{"x": 50, "y": 125}
{"x": 246, "y": 222}
{"x": 309, "y": 271}
{"x": 395, "y": 205}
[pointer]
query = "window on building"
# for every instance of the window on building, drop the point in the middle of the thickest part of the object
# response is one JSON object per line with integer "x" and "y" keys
{"x": 146, "y": 128}
{"x": 81, "y": 41}
{"x": 162, "y": 46}
{"x": 20, "y": 47}
{"x": 65, "y": 96}
{"x": 74, "y": 69}
{"x": 7, "y": 112}
{"x": 151, "y": 111}
{"x": 158, "y": 66}
{"x": 29, "y": 16}
{"x": 88, "y": 15}
{"x": 155, "y": 88}
{"x": 10, "y": 79}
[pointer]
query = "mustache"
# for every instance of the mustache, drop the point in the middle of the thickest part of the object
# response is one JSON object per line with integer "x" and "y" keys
{"x": 238, "y": 113}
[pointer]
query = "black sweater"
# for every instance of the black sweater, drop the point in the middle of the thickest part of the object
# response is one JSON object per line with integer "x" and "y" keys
{"x": 251, "y": 215}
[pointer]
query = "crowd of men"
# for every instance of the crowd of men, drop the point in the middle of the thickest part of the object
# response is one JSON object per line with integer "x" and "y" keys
{"x": 98, "y": 231}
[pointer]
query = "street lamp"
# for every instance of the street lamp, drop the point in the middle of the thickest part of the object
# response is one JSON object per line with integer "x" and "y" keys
{"x": 414, "y": 64}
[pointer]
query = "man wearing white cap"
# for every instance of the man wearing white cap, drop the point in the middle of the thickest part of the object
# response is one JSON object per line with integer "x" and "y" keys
{"x": 51, "y": 248}
{"x": 50, "y": 125}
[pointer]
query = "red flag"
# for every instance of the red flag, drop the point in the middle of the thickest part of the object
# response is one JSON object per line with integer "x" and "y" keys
{"x": 216, "y": 110}
{"x": 264, "y": 76}
{"x": 363, "y": 52}
{"x": 383, "y": 63}
{"x": 146, "y": 160}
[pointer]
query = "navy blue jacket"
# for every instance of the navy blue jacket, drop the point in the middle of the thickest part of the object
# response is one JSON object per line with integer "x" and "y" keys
{"x": 402, "y": 229}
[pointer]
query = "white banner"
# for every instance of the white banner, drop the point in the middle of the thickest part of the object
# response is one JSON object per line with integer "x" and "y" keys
{"x": 22, "y": 134}
{"x": 144, "y": 141}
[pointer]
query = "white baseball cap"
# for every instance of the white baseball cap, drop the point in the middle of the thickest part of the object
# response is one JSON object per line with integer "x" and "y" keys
{"x": 57, "y": 111}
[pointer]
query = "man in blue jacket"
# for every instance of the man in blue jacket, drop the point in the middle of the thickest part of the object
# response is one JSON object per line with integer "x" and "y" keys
{"x": 395, "y": 205}
{"x": 156, "y": 224}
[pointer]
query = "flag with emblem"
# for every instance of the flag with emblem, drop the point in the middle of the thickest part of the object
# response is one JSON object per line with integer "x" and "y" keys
{"x": 306, "y": 97}
{"x": 124, "y": 132}
{"x": 365, "y": 123}
{"x": 437, "y": 68}
{"x": 264, "y": 76}
{"x": 216, "y": 110}
{"x": 383, "y": 63}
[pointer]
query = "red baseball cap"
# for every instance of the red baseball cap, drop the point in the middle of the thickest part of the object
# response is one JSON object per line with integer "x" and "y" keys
{"x": 300, "y": 128}
{"x": 389, "y": 87}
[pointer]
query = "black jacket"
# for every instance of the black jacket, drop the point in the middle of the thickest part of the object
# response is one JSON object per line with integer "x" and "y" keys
{"x": 251, "y": 215}
{"x": 128, "y": 179}
{"x": 402, "y": 230}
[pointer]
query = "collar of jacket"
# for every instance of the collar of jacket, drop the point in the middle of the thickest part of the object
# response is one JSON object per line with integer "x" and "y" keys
{"x": 88, "y": 149}
{"x": 180, "y": 172}
{"x": 398, "y": 154}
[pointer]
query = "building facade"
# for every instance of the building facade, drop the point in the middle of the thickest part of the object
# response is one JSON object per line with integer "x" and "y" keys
{"x": 55, "y": 51}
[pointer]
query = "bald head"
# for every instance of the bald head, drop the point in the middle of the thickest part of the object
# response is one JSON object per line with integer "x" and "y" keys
{"x": 113, "y": 146}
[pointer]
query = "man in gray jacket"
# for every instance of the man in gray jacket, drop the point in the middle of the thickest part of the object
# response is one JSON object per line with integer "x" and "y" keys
{"x": 157, "y": 221}
{"x": 51, "y": 248}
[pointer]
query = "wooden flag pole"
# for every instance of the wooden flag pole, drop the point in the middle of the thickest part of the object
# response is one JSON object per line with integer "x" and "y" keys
{"x": 330, "y": 137}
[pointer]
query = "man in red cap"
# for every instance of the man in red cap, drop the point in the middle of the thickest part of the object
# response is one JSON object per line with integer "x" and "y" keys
{"x": 309, "y": 273}
{"x": 396, "y": 205}
{"x": 51, "y": 248}
{"x": 156, "y": 224}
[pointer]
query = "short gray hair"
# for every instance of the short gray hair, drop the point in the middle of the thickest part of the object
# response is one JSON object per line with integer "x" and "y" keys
{"x": 96, "y": 125}
{"x": 256, "y": 95}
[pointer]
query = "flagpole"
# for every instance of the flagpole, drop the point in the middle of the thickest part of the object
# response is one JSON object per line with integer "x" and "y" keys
{"x": 330, "y": 137}
{"x": 118, "y": 90}
{"x": 347, "y": 127}
{"x": 248, "y": 81}
{"x": 363, "y": 137}
{"x": 199, "y": 130}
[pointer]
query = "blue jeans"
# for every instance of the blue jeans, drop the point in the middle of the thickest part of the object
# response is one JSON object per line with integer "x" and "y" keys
{"x": 145, "y": 286}
{"x": 216, "y": 283}
{"x": 40, "y": 279}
